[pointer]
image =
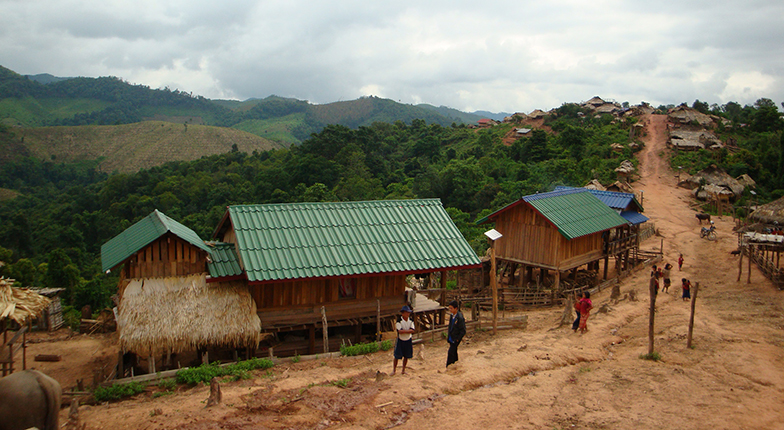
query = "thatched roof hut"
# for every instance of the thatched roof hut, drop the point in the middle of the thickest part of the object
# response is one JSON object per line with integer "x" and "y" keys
{"x": 770, "y": 212}
{"x": 20, "y": 304}
{"x": 713, "y": 175}
{"x": 184, "y": 313}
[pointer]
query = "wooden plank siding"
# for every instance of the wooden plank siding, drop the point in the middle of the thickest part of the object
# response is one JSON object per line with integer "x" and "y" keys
{"x": 167, "y": 256}
{"x": 299, "y": 301}
{"x": 529, "y": 238}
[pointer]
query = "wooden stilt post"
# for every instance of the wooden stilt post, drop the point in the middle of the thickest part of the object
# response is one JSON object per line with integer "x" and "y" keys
{"x": 751, "y": 251}
{"x": 324, "y": 329}
{"x": 378, "y": 320}
{"x": 494, "y": 285}
{"x": 740, "y": 263}
{"x": 691, "y": 318}
{"x": 652, "y": 292}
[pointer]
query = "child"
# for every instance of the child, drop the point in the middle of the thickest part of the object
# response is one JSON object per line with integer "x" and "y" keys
{"x": 578, "y": 305}
{"x": 585, "y": 310}
{"x": 666, "y": 275}
{"x": 686, "y": 285}
{"x": 680, "y": 262}
{"x": 404, "y": 347}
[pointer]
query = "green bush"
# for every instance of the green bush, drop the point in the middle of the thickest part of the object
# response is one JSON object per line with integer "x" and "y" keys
{"x": 359, "y": 349}
{"x": 206, "y": 372}
{"x": 117, "y": 391}
{"x": 72, "y": 317}
{"x": 386, "y": 345}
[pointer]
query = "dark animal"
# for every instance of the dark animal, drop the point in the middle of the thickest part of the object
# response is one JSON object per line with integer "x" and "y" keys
{"x": 703, "y": 217}
{"x": 735, "y": 252}
{"x": 29, "y": 399}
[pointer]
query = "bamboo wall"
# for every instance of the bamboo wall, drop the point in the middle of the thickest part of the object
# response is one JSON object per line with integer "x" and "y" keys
{"x": 529, "y": 237}
{"x": 167, "y": 256}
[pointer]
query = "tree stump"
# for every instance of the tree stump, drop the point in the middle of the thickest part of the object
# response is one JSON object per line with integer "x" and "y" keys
{"x": 215, "y": 393}
{"x": 567, "y": 318}
{"x": 616, "y": 293}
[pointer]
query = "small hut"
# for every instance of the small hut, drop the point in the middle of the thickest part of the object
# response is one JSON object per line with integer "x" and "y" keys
{"x": 18, "y": 307}
{"x": 165, "y": 305}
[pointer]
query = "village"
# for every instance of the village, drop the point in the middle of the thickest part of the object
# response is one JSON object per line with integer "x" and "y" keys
{"x": 296, "y": 282}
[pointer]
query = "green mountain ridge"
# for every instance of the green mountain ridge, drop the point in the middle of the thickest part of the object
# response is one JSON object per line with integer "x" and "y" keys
{"x": 47, "y": 100}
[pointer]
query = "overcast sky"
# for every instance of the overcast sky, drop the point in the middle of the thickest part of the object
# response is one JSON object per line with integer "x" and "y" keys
{"x": 511, "y": 56}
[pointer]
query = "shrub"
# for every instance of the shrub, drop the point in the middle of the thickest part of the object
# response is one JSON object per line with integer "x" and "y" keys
{"x": 359, "y": 349}
{"x": 206, "y": 372}
{"x": 386, "y": 345}
{"x": 654, "y": 356}
{"x": 117, "y": 391}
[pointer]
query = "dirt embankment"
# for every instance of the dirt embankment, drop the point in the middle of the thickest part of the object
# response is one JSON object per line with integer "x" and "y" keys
{"x": 546, "y": 376}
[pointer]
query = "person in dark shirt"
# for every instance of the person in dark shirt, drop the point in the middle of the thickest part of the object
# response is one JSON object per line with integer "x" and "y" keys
{"x": 457, "y": 329}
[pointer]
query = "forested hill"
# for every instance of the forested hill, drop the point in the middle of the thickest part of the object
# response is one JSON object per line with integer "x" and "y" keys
{"x": 112, "y": 101}
{"x": 54, "y": 216}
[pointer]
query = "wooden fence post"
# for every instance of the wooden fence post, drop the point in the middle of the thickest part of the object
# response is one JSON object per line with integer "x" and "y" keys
{"x": 691, "y": 318}
{"x": 740, "y": 263}
{"x": 324, "y": 328}
{"x": 652, "y": 292}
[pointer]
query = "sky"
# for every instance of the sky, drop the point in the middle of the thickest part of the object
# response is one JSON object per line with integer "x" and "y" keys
{"x": 498, "y": 56}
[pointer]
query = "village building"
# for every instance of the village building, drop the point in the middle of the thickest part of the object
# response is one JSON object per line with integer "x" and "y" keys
{"x": 557, "y": 234}
{"x": 18, "y": 308}
{"x": 281, "y": 270}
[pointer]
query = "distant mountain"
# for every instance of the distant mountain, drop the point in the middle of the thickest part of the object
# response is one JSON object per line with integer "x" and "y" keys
{"x": 46, "y": 100}
{"x": 45, "y": 78}
{"x": 496, "y": 116}
{"x": 458, "y": 116}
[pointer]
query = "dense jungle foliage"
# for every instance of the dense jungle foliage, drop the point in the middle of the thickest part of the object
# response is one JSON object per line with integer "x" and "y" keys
{"x": 54, "y": 217}
{"x": 52, "y": 231}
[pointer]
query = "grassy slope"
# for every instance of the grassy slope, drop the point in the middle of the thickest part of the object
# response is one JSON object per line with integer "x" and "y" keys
{"x": 277, "y": 129}
{"x": 128, "y": 148}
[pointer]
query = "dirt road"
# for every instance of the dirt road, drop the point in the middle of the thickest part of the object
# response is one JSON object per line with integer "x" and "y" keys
{"x": 544, "y": 377}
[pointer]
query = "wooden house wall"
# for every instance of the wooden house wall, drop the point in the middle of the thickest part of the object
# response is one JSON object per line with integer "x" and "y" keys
{"x": 167, "y": 256}
{"x": 530, "y": 238}
{"x": 299, "y": 301}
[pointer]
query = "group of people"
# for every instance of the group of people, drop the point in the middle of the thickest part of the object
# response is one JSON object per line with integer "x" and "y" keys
{"x": 457, "y": 329}
{"x": 404, "y": 348}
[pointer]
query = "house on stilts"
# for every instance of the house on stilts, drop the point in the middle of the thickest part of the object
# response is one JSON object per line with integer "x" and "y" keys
{"x": 553, "y": 244}
{"x": 284, "y": 273}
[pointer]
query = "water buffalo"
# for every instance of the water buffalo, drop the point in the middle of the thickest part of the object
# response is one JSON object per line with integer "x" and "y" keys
{"x": 29, "y": 399}
{"x": 703, "y": 217}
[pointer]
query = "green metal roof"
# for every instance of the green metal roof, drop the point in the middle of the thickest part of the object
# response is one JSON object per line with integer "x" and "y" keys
{"x": 141, "y": 234}
{"x": 223, "y": 260}
{"x": 307, "y": 240}
{"x": 574, "y": 212}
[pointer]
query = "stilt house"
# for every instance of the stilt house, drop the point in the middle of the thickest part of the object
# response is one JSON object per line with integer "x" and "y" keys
{"x": 558, "y": 231}
{"x": 276, "y": 268}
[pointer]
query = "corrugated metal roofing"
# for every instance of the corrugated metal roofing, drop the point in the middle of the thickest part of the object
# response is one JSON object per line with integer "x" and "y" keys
{"x": 306, "y": 240}
{"x": 575, "y": 212}
{"x": 141, "y": 234}
{"x": 224, "y": 261}
{"x": 634, "y": 217}
{"x": 613, "y": 199}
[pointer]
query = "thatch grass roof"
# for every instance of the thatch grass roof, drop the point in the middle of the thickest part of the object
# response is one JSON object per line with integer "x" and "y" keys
{"x": 20, "y": 304}
{"x": 183, "y": 313}
{"x": 770, "y": 212}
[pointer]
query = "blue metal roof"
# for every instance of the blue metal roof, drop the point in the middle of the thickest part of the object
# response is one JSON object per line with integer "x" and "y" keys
{"x": 613, "y": 199}
{"x": 634, "y": 217}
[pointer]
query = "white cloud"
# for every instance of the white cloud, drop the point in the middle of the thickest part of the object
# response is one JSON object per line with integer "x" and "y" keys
{"x": 500, "y": 56}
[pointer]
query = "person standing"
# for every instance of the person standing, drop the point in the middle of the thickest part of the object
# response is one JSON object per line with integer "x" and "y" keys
{"x": 585, "y": 310}
{"x": 666, "y": 275}
{"x": 456, "y": 331}
{"x": 686, "y": 285}
{"x": 680, "y": 262}
{"x": 578, "y": 304}
{"x": 404, "y": 347}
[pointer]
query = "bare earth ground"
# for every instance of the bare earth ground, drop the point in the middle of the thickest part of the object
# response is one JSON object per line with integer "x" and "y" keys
{"x": 546, "y": 377}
